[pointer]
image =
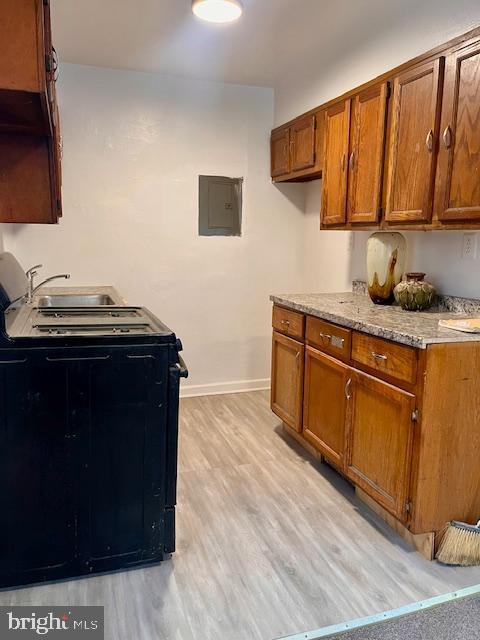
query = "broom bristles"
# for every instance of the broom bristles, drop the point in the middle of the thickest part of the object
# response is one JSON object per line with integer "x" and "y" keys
{"x": 460, "y": 545}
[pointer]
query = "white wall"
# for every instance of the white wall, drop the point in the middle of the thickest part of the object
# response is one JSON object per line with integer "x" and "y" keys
{"x": 330, "y": 263}
{"x": 134, "y": 145}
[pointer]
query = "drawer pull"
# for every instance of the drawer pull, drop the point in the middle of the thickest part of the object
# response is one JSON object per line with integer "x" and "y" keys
{"x": 379, "y": 356}
{"x": 347, "y": 389}
{"x": 286, "y": 322}
{"x": 325, "y": 336}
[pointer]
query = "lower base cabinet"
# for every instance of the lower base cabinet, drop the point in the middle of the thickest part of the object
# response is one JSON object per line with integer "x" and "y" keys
{"x": 325, "y": 404}
{"x": 287, "y": 379}
{"x": 89, "y": 483}
{"x": 379, "y": 440}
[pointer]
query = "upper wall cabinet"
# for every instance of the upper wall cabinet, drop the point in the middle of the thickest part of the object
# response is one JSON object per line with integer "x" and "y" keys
{"x": 365, "y": 165}
{"x": 30, "y": 156}
{"x": 337, "y": 134}
{"x": 457, "y": 194}
{"x": 413, "y": 143}
{"x": 400, "y": 152}
{"x": 353, "y": 165}
{"x": 297, "y": 150}
{"x": 279, "y": 152}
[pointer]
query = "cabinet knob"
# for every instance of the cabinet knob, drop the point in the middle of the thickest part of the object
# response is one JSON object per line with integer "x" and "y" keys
{"x": 447, "y": 137}
{"x": 352, "y": 161}
{"x": 429, "y": 141}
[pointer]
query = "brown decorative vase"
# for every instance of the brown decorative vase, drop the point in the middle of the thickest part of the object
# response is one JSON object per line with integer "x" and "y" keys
{"x": 386, "y": 253}
{"x": 414, "y": 293}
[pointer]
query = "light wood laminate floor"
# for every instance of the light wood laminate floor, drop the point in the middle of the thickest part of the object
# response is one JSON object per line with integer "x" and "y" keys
{"x": 269, "y": 543}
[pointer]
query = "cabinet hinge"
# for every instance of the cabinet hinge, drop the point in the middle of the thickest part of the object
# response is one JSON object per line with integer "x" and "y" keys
{"x": 408, "y": 506}
{"x": 415, "y": 415}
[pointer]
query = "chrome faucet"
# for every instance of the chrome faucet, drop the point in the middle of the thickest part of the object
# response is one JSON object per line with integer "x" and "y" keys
{"x": 31, "y": 273}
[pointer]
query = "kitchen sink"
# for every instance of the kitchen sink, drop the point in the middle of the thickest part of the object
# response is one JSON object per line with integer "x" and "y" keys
{"x": 75, "y": 300}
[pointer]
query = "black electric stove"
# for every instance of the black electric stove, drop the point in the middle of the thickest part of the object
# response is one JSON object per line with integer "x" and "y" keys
{"x": 89, "y": 430}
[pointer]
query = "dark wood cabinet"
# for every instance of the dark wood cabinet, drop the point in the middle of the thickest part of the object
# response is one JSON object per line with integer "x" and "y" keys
{"x": 287, "y": 379}
{"x": 380, "y": 437}
{"x": 29, "y": 121}
{"x": 36, "y": 467}
{"x": 83, "y": 441}
{"x": 457, "y": 195}
{"x": 414, "y": 136}
{"x": 334, "y": 191}
{"x": 325, "y": 404}
{"x": 365, "y": 163}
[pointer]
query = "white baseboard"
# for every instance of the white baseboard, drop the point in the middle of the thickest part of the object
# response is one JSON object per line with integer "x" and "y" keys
{"x": 220, "y": 388}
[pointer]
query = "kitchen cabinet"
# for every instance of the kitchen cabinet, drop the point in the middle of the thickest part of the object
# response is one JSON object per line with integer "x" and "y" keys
{"x": 400, "y": 151}
{"x": 36, "y": 442}
{"x": 29, "y": 121}
{"x": 399, "y": 422}
{"x": 367, "y": 144}
{"x": 380, "y": 436}
{"x": 83, "y": 448}
{"x": 287, "y": 379}
{"x": 413, "y": 144}
{"x": 354, "y": 152}
{"x": 302, "y": 144}
{"x": 325, "y": 404}
{"x": 280, "y": 152}
{"x": 297, "y": 149}
{"x": 458, "y": 185}
{"x": 334, "y": 192}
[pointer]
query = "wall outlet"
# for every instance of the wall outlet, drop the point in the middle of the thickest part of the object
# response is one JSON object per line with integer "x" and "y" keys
{"x": 469, "y": 248}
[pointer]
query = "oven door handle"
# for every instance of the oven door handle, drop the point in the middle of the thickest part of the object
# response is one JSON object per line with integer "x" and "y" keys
{"x": 181, "y": 367}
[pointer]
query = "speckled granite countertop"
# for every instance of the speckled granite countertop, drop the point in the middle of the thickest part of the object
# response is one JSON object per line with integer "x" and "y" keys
{"x": 357, "y": 311}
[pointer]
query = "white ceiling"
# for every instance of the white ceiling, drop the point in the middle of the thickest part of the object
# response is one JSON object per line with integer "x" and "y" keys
{"x": 272, "y": 40}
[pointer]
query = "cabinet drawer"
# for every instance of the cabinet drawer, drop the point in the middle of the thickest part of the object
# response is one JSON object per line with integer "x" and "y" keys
{"x": 387, "y": 358}
{"x": 289, "y": 322}
{"x": 329, "y": 338}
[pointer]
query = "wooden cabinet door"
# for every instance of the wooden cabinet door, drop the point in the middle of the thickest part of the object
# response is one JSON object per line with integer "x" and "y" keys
{"x": 379, "y": 449}
{"x": 367, "y": 144}
{"x": 413, "y": 143}
{"x": 325, "y": 404}
{"x": 457, "y": 194}
{"x": 280, "y": 152}
{"x": 36, "y": 469}
{"x": 302, "y": 143}
{"x": 121, "y": 411}
{"x": 334, "y": 190}
{"x": 287, "y": 380}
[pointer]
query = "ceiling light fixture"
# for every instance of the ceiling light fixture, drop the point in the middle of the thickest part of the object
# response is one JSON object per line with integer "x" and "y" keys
{"x": 217, "y": 10}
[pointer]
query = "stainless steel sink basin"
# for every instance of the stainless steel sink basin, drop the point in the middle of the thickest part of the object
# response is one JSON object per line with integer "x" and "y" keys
{"x": 75, "y": 300}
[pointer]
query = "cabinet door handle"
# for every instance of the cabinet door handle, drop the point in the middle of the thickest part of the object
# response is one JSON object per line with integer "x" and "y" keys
{"x": 347, "y": 389}
{"x": 87, "y": 359}
{"x": 325, "y": 336}
{"x": 447, "y": 137}
{"x": 379, "y": 356}
{"x": 429, "y": 141}
{"x": 342, "y": 162}
{"x": 352, "y": 161}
